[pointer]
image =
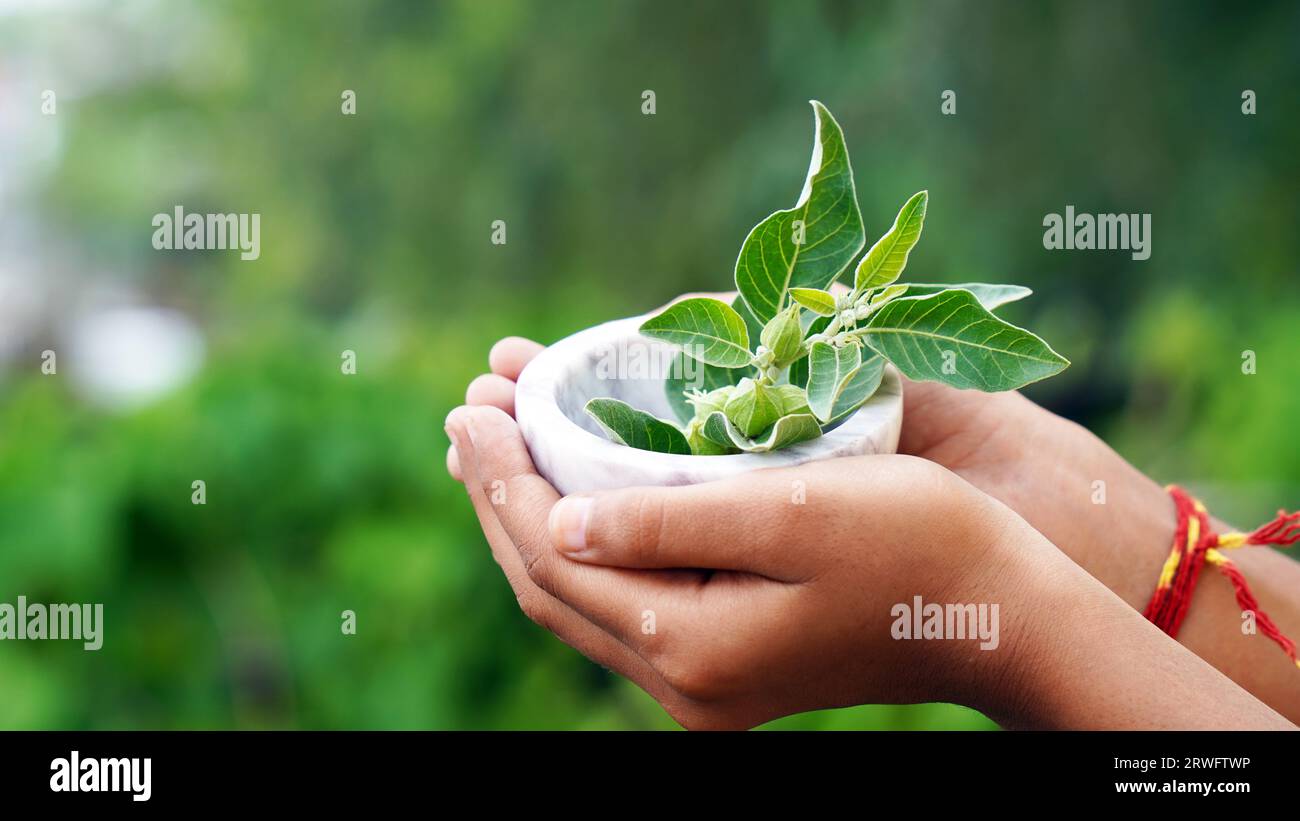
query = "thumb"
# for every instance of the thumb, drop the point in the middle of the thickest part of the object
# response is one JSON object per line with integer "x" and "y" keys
{"x": 746, "y": 524}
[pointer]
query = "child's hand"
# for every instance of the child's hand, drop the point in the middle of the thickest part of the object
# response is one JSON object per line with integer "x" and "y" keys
{"x": 739, "y": 601}
{"x": 797, "y": 572}
{"x": 1107, "y": 516}
{"x": 1068, "y": 484}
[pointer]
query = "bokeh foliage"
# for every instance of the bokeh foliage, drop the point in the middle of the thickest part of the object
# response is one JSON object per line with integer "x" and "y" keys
{"x": 328, "y": 493}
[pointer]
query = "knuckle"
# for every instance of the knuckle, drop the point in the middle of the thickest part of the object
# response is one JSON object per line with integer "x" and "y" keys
{"x": 926, "y": 470}
{"x": 489, "y": 484}
{"x": 492, "y": 427}
{"x": 648, "y": 527}
{"x": 533, "y": 564}
{"x": 516, "y": 483}
{"x": 501, "y": 456}
{"x": 533, "y": 605}
{"x": 694, "y": 678}
{"x": 534, "y": 552}
{"x": 500, "y": 482}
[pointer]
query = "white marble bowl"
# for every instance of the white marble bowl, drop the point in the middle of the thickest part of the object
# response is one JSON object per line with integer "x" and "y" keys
{"x": 615, "y": 360}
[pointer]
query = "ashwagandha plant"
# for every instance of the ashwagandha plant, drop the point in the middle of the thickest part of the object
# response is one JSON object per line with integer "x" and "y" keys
{"x": 788, "y": 360}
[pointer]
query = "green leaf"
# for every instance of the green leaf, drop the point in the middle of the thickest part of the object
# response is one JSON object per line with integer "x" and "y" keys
{"x": 830, "y": 369}
{"x": 637, "y": 429}
{"x": 783, "y": 336}
{"x": 790, "y": 430}
{"x": 798, "y": 371}
{"x": 703, "y": 377}
{"x": 717, "y": 428}
{"x": 786, "y": 431}
{"x": 702, "y": 445}
{"x": 752, "y": 325}
{"x": 990, "y": 296}
{"x": 816, "y": 300}
{"x": 770, "y": 260}
{"x": 752, "y": 407}
{"x": 709, "y": 329}
{"x": 714, "y": 400}
{"x": 886, "y": 259}
{"x": 949, "y": 337}
{"x": 887, "y": 293}
{"x": 858, "y": 388}
{"x": 791, "y": 399}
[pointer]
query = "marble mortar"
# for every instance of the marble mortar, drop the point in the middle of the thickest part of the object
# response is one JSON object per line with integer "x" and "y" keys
{"x": 573, "y": 454}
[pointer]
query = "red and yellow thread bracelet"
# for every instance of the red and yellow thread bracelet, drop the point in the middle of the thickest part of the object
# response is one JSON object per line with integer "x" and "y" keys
{"x": 1195, "y": 545}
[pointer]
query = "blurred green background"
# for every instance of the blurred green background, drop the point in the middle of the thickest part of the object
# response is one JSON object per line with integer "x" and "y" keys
{"x": 327, "y": 492}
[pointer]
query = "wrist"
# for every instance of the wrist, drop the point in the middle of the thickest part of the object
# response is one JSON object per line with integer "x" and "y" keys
{"x": 1059, "y": 628}
{"x": 1017, "y": 581}
{"x": 1020, "y": 691}
{"x": 1129, "y": 536}
{"x": 1106, "y": 515}
{"x": 1050, "y": 609}
{"x": 1080, "y": 658}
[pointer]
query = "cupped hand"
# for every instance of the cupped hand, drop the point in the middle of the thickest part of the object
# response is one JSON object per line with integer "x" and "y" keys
{"x": 1067, "y": 483}
{"x": 803, "y": 569}
{"x": 1063, "y": 480}
{"x": 1108, "y": 517}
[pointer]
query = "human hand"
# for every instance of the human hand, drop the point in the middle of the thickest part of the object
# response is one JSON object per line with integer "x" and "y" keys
{"x": 506, "y": 360}
{"x": 802, "y": 569}
{"x": 1043, "y": 467}
{"x": 739, "y": 601}
{"x": 1068, "y": 484}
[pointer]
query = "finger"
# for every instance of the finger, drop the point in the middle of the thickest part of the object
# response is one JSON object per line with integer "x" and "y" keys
{"x": 688, "y": 612}
{"x": 540, "y": 606}
{"x": 612, "y": 598}
{"x": 503, "y": 473}
{"x": 692, "y": 526}
{"x": 453, "y": 464}
{"x": 509, "y": 356}
{"x": 491, "y": 389}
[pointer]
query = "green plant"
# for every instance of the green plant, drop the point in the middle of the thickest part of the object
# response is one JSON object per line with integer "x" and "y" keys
{"x": 818, "y": 355}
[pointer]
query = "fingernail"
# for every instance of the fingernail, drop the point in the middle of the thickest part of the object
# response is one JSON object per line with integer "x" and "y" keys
{"x": 569, "y": 523}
